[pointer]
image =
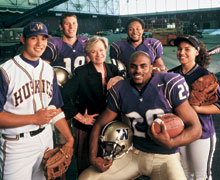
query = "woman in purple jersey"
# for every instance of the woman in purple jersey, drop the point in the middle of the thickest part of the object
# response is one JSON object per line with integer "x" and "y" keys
{"x": 197, "y": 156}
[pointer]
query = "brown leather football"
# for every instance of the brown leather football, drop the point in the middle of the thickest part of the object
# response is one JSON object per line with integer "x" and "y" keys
{"x": 173, "y": 123}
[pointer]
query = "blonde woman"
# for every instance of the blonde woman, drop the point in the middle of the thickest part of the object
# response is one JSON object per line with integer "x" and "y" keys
{"x": 85, "y": 95}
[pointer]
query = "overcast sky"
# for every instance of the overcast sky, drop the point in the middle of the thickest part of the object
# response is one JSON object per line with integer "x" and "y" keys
{"x": 151, "y": 6}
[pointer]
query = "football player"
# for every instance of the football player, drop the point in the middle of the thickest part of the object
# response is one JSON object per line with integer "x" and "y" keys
{"x": 141, "y": 98}
{"x": 122, "y": 49}
{"x": 67, "y": 51}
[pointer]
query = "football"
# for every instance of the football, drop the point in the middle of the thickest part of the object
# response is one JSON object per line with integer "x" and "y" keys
{"x": 173, "y": 123}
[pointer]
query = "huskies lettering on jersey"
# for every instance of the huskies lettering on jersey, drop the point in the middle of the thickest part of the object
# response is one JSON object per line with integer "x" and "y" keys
{"x": 122, "y": 134}
{"x": 29, "y": 89}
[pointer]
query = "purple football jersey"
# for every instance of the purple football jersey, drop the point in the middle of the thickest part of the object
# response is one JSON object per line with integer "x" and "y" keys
{"x": 122, "y": 49}
{"x": 206, "y": 120}
{"x": 163, "y": 93}
{"x": 62, "y": 54}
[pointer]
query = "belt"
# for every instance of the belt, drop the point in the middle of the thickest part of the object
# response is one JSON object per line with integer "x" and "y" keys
{"x": 21, "y": 135}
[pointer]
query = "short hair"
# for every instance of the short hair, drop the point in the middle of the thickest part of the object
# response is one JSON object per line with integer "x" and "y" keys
{"x": 68, "y": 14}
{"x": 141, "y": 21}
{"x": 137, "y": 54}
{"x": 93, "y": 40}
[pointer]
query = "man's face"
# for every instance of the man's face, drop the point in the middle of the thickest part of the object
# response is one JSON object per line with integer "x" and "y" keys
{"x": 69, "y": 26}
{"x": 135, "y": 31}
{"x": 140, "y": 70}
{"x": 34, "y": 46}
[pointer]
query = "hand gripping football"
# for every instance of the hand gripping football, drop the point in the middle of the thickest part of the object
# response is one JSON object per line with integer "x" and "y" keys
{"x": 173, "y": 123}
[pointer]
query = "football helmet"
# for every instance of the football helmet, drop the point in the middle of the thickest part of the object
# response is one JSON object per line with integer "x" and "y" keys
{"x": 116, "y": 139}
{"x": 62, "y": 75}
{"x": 120, "y": 65}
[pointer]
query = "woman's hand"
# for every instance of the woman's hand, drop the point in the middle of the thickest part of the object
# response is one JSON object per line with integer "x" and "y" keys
{"x": 86, "y": 118}
{"x": 114, "y": 81}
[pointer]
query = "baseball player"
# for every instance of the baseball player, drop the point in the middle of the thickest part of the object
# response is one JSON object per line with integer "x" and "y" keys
{"x": 140, "y": 99}
{"x": 67, "y": 51}
{"x": 28, "y": 86}
{"x": 197, "y": 156}
{"x": 122, "y": 49}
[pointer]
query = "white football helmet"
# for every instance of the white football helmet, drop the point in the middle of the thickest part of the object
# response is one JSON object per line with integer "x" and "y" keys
{"x": 120, "y": 65}
{"x": 116, "y": 139}
{"x": 62, "y": 75}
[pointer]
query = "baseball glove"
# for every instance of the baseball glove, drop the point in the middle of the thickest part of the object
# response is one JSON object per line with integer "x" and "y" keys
{"x": 204, "y": 91}
{"x": 56, "y": 161}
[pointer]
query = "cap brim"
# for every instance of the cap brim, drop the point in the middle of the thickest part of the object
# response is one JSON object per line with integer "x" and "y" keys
{"x": 178, "y": 40}
{"x": 46, "y": 35}
{"x": 191, "y": 41}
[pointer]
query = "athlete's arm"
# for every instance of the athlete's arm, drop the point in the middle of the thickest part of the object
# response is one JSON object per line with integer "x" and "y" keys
{"x": 42, "y": 116}
{"x": 9, "y": 120}
{"x": 160, "y": 64}
{"x": 64, "y": 129}
{"x": 100, "y": 163}
{"x": 209, "y": 109}
{"x": 191, "y": 132}
{"x": 114, "y": 52}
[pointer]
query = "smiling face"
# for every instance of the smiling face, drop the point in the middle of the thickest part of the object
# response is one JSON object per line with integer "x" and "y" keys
{"x": 135, "y": 31}
{"x": 97, "y": 52}
{"x": 69, "y": 26}
{"x": 140, "y": 69}
{"x": 34, "y": 46}
{"x": 186, "y": 53}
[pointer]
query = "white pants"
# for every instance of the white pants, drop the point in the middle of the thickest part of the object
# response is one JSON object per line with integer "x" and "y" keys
{"x": 137, "y": 163}
{"x": 197, "y": 158}
{"x": 21, "y": 159}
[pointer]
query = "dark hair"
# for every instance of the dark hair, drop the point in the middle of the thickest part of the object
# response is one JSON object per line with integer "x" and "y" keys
{"x": 141, "y": 21}
{"x": 137, "y": 54}
{"x": 68, "y": 14}
{"x": 203, "y": 59}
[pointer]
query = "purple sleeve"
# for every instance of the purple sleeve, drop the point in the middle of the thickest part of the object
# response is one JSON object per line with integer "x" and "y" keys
{"x": 54, "y": 45}
{"x": 177, "y": 91}
{"x": 158, "y": 48}
{"x": 47, "y": 55}
{"x": 155, "y": 46}
{"x": 57, "y": 98}
{"x": 3, "y": 90}
{"x": 111, "y": 104}
{"x": 114, "y": 51}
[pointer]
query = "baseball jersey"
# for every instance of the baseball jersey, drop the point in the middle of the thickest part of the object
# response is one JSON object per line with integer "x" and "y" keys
{"x": 62, "y": 54}
{"x": 25, "y": 87}
{"x": 206, "y": 119}
{"x": 163, "y": 93}
{"x": 122, "y": 49}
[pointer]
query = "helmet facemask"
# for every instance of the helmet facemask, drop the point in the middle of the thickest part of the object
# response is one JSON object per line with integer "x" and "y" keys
{"x": 115, "y": 140}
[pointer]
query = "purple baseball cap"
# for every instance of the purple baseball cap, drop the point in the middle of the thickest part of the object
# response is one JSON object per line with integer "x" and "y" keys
{"x": 35, "y": 28}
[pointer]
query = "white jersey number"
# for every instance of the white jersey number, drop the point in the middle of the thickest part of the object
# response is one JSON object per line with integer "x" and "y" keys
{"x": 137, "y": 118}
{"x": 183, "y": 88}
{"x": 79, "y": 61}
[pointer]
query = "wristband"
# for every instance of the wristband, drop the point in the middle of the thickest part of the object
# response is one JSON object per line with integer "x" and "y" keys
{"x": 56, "y": 118}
